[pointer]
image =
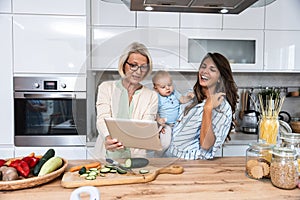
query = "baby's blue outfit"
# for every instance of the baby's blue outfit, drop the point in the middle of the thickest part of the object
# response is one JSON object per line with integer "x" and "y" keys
{"x": 168, "y": 107}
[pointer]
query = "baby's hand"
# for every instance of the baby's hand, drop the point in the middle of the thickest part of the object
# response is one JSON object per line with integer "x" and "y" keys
{"x": 161, "y": 121}
{"x": 190, "y": 95}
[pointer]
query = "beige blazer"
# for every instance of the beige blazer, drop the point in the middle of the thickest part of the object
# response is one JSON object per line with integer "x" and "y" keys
{"x": 107, "y": 105}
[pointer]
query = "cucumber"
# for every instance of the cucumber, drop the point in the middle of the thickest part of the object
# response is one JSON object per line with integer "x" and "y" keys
{"x": 51, "y": 165}
{"x": 136, "y": 162}
{"x": 121, "y": 171}
{"x": 49, "y": 154}
{"x": 105, "y": 170}
{"x": 144, "y": 171}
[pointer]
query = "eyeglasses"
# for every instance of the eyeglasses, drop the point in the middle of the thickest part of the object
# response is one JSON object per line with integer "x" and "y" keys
{"x": 134, "y": 67}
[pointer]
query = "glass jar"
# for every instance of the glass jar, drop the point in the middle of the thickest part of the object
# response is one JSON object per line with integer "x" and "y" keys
{"x": 258, "y": 159}
{"x": 292, "y": 140}
{"x": 284, "y": 168}
{"x": 268, "y": 128}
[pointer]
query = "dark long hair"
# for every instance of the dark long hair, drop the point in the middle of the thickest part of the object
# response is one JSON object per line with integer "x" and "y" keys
{"x": 227, "y": 83}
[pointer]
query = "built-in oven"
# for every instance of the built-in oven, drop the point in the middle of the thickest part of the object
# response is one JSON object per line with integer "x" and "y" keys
{"x": 50, "y": 111}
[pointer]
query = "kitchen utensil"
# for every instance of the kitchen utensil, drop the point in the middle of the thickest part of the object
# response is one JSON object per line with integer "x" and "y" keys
{"x": 250, "y": 120}
{"x": 117, "y": 164}
{"x": 92, "y": 191}
{"x": 73, "y": 180}
{"x": 284, "y": 116}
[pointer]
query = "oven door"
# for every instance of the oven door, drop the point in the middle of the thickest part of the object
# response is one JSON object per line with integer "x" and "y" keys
{"x": 50, "y": 118}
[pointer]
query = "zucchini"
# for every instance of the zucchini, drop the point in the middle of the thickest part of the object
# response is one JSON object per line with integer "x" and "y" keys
{"x": 49, "y": 154}
{"x": 136, "y": 162}
{"x": 51, "y": 165}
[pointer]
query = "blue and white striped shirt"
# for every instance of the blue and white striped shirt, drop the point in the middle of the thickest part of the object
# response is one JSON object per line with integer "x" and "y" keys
{"x": 186, "y": 133}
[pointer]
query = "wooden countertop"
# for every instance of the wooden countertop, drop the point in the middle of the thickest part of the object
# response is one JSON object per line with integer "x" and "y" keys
{"x": 221, "y": 178}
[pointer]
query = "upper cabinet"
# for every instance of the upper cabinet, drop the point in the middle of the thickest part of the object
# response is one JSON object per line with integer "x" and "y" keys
{"x": 158, "y": 19}
{"x": 109, "y": 44}
{"x": 282, "y": 51}
{"x": 244, "y": 49}
{"x": 60, "y": 7}
{"x": 283, "y": 15}
{"x": 5, "y": 6}
{"x": 49, "y": 44}
{"x": 111, "y": 14}
{"x": 199, "y": 20}
{"x": 251, "y": 18}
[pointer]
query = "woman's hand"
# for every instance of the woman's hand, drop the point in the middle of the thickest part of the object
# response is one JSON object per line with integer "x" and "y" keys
{"x": 112, "y": 144}
{"x": 213, "y": 101}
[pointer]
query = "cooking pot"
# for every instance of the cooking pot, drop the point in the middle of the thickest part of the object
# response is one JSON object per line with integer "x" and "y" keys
{"x": 250, "y": 121}
{"x": 284, "y": 116}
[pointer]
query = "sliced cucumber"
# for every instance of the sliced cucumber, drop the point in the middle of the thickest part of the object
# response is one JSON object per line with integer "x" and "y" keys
{"x": 113, "y": 171}
{"x": 105, "y": 170}
{"x": 90, "y": 177}
{"x": 121, "y": 171}
{"x": 144, "y": 171}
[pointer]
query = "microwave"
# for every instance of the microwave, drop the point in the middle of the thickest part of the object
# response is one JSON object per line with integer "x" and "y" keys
{"x": 243, "y": 49}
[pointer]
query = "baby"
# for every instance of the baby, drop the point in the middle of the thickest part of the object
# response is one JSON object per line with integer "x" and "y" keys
{"x": 169, "y": 99}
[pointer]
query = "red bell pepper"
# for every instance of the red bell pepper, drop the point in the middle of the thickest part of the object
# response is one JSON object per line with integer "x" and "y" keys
{"x": 31, "y": 161}
{"x": 21, "y": 166}
{"x": 2, "y": 162}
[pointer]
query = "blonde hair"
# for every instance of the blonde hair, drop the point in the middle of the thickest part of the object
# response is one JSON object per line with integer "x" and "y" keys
{"x": 159, "y": 75}
{"x": 134, "y": 47}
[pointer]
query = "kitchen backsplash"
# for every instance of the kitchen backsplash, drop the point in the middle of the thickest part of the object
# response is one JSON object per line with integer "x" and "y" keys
{"x": 185, "y": 80}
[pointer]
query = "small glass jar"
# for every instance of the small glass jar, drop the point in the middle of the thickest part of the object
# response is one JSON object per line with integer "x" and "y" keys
{"x": 284, "y": 168}
{"x": 258, "y": 159}
{"x": 268, "y": 129}
{"x": 292, "y": 140}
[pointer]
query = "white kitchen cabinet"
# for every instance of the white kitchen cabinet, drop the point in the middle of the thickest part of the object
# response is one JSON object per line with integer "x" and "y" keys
{"x": 49, "y": 44}
{"x": 251, "y": 18}
{"x": 7, "y": 151}
{"x": 5, "y": 6}
{"x": 6, "y": 80}
{"x": 234, "y": 150}
{"x": 111, "y": 14}
{"x": 283, "y": 15}
{"x": 282, "y": 51}
{"x": 61, "y": 7}
{"x": 199, "y": 20}
{"x": 158, "y": 19}
{"x": 244, "y": 49}
{"x": 109, "y": 44}
{"x": 69, "y": 153}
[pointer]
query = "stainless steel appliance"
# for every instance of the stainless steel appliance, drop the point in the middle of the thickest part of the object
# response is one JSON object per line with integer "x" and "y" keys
{"x": 50, "y": 111}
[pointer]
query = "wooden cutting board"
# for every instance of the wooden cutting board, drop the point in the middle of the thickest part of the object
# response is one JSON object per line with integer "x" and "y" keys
{"x": 73, "y": 180}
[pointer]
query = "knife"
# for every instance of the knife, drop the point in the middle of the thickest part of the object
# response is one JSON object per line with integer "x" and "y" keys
{"x": 117, "y": 164}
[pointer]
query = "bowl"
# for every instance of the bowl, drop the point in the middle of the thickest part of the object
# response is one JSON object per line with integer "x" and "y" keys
{"x": 295, "y": 126}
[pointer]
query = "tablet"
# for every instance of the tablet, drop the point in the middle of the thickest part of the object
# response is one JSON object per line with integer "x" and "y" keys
{"x": 142, "y": 134}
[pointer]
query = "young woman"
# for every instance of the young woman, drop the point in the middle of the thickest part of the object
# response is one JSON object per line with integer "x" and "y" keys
{"x": 205, "y": 123}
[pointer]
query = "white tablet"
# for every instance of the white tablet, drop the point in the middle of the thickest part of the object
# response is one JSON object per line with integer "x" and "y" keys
{"x": 142, "y": 134}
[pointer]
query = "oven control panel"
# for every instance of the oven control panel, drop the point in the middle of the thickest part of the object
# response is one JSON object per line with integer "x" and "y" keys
{"x": 50, "y": 84}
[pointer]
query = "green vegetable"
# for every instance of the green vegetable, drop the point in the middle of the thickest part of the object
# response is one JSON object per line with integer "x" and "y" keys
{"x": 49, "y": 154}
{"x": 136, "y": 162}
{"x": 121, "y": 171}
{"x": 82, "y": 170}
{"x": 105, "y": 170}
{"x": 51, "y": 165}
{"x": 144, "y": 171}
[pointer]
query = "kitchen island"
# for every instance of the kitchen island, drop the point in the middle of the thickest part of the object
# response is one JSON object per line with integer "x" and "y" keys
{"x": 221, "y": 178}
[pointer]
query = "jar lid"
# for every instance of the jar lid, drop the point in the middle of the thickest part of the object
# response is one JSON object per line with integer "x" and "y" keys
{"x": 284, "y": 152}
{"x": 261, "y": 146}
{"x": 291, "y": 137}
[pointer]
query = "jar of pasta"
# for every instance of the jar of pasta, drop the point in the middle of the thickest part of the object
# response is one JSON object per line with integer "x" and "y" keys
{"x": 258, "y": 159}
{"x": 284, "y": 168}
{"x": 268, "y": 128}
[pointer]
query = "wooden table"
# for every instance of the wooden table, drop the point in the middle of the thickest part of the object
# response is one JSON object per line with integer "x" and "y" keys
{"x": 221, "y": 178}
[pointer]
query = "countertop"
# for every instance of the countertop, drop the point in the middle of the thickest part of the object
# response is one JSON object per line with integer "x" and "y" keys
{"x": 221, "y": 178}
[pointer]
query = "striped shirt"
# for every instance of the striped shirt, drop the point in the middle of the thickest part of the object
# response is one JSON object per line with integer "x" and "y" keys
{"x": 186, "y": 132}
